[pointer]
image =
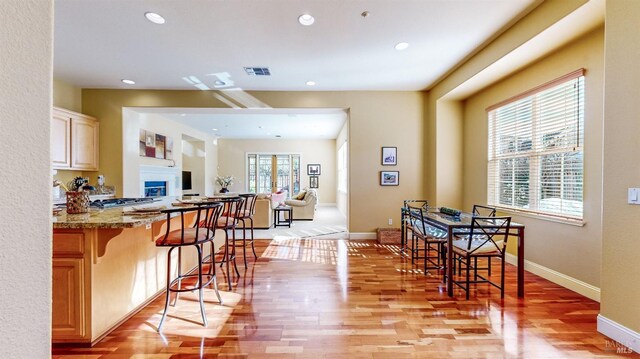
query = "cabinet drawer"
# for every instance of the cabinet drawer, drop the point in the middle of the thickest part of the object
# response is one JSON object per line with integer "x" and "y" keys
{"x": 68, "y": 244}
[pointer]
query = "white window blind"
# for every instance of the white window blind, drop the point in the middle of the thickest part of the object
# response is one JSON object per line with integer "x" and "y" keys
{"x": 536, "y": 145}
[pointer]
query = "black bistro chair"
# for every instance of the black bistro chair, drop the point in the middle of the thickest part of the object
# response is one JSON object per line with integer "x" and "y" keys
{"x": 202, "y": 232}
{"x": 228, "y": 222}
{"x": 486, "y": 238}
{"x": 245, "y": 216}
{"x": 433, "y": 238}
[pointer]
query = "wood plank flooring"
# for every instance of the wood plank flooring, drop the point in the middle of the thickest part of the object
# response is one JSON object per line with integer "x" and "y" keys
{"x": 318, "y": 298}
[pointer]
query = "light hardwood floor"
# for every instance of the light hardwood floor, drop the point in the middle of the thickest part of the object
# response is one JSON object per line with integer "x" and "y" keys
{"x": 318, "y": 298}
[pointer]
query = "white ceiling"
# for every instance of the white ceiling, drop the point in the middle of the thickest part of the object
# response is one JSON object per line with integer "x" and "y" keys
{"x": 100, "y": 42}
{"x": 257, "y": 123}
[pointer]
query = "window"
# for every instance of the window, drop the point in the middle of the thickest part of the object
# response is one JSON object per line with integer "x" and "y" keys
{"x": 342, "y": 168}
{"x": 536, "y": 145}
{"x": 267, "y": 173}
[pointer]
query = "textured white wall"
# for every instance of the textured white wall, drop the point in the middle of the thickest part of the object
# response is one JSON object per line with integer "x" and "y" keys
{"x": 26, "y": 30}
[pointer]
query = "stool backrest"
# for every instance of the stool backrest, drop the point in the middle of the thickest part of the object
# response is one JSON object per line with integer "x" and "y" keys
{"x": 488, "y": 231}
{"x": 230, "y": 211}
{"x": 483, "y": 211}
{"x": 206, "y": 214}
{"x": 249, "y": 207}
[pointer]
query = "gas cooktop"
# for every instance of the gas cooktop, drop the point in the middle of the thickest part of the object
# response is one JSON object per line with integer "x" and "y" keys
{"x": 120, "y": 202}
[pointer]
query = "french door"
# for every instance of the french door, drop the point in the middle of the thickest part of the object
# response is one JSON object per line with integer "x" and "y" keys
{"x": 270, "y": 173}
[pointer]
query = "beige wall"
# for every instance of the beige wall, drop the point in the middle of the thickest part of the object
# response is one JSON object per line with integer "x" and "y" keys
{"x": 449, "y": 146}
{"x": 194, "y": 160}
{"x": 552, "y": 245}
{"x": 372, "y": 115}
{"x": 67, "y": 96}
{"x": 620, "y": 244}
{"x": 233, "y": 153}
{"x": 26, "y": 32}
{"x": 545, "y": 15}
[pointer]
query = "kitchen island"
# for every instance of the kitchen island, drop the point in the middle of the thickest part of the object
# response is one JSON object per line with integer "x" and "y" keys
{"x": 106, "y": 267}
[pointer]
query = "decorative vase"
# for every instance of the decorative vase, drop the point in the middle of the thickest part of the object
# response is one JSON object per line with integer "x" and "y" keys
{"x": 77, "y": 202}
{"x": 224, "y": 190}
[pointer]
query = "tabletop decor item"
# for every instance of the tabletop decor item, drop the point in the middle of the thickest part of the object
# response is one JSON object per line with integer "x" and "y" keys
{"x": 224, "y": 182}
{"x": 77, "y": 202}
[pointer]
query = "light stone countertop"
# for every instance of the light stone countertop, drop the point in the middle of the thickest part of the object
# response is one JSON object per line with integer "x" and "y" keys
{"x": 111, "y": 217}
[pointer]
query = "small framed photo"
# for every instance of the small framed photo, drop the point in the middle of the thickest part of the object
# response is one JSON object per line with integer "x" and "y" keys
{"x": 313, "y": 170}
{"x": 389, "y": 178}
{"x": 313, "y": 182}
{"x": 389, "y": 156}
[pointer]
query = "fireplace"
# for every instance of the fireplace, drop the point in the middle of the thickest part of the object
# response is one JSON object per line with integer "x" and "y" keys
{"x": 155, "y": 188}
{"x": 157, "y": 181}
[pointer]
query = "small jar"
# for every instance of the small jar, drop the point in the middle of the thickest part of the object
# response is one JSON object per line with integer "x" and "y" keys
{"x": 77, "y": 202}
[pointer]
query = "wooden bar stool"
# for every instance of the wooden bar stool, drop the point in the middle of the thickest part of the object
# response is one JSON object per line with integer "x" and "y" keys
{"x": 197, "y": 236}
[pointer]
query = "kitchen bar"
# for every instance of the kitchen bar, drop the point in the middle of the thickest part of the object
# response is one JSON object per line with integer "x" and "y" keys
{"x": 106, "y": 267}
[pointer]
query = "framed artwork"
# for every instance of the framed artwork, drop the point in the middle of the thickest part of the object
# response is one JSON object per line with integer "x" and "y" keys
{"x": 389, "y": 156}
{"x": 150, "y": 143}
{"x": 160, "y": 145}
{"x": 143, "y": 142}
{"x": 313, "y": 182}
{"x": 168, "y": 149}
{"x": 313, "y": 170}
{"x": 389, "y": 178}
{"x": 155, "y": 145}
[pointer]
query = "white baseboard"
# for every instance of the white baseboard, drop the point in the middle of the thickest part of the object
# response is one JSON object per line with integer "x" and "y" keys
{"x": 362, "y": 235}
{"x": 578, "y": 286}
{"x": 628, "y": 339}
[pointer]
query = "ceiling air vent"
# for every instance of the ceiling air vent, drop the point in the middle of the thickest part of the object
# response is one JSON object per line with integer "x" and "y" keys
{"x": 257, "y": 71}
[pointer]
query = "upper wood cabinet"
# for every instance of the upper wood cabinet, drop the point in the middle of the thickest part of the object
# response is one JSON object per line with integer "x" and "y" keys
{"x": 74, "y": 141}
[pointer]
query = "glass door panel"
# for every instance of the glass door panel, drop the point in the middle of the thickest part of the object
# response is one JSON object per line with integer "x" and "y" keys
{"x": 265, "y": 181}
{"x": 282, "y": 166}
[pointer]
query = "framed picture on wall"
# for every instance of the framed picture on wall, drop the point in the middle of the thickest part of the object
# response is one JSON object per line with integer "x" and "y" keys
{"x": 389, "y": 156}
{"x": 313, "y": 170}
{"x": 389, "y": 178}
{"x": 160, "y": 142}
{"x": 313, "y": 181}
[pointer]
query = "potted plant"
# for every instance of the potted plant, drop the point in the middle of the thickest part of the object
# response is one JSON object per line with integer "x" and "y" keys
{"x": 224, "y": 182}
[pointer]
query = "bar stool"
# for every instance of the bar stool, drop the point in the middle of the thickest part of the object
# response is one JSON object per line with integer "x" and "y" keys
{"x": 245, "y": 215}
{"x": 202, "y": 232}
{"x": 228, "y": 222}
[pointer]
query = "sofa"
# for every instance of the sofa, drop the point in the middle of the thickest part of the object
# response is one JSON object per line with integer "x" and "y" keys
{"x": 303, "y": 204}
{"x": 265, "y": 203}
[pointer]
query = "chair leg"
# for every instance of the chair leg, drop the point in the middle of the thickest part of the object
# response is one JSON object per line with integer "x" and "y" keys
{"x": 475, "y": 268}
{"x": 168, "y": 291}
{"x": 226, "y": 257}
{"x": 253, "y": 248}
{"x": 212, "y": 272}
{"x": 502, "y": 278}
{"x": 233, "y": 252}
{"x": 489, "y": 266}
{"x": 426, "y": 252}
{"x": 244, "y": 243}
{"x": 179, "y": 275}
{"x": 201, "y": 287}
{"x": 468, "y": 282}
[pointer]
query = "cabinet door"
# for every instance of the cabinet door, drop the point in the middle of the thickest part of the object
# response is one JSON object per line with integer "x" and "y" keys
{"x": 68, "y": 320}
{"x": 84, "y": 139}
{"x": 60, "y": 140}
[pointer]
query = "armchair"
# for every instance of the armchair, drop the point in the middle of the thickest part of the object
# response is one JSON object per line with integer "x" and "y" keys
{"x": 305, "y": 208}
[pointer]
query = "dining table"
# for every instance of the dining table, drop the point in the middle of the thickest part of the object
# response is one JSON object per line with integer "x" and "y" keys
{"x": 451, "y": 224}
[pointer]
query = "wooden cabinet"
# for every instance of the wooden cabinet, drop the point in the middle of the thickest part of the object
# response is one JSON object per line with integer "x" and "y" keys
{"x": 69, "y": 318}
{"x": 74, "y": 141}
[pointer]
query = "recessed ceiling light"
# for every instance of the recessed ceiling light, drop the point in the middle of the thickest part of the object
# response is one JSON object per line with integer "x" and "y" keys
{"x": 154, "y": 18}
{"x": 311, "y": 83}
{"x": 128, "y": 82}
{"x": 401, "y": 46}
{"x": 278, "y": 136}
{"x": 306, "y": 20}
{"x": 214, "y": 129}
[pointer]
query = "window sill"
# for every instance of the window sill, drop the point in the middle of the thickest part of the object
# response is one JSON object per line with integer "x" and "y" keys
{"x": 568, "y": 221}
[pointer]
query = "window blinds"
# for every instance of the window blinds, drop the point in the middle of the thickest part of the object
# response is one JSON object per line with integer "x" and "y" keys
{"x": 536, "y": 149}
